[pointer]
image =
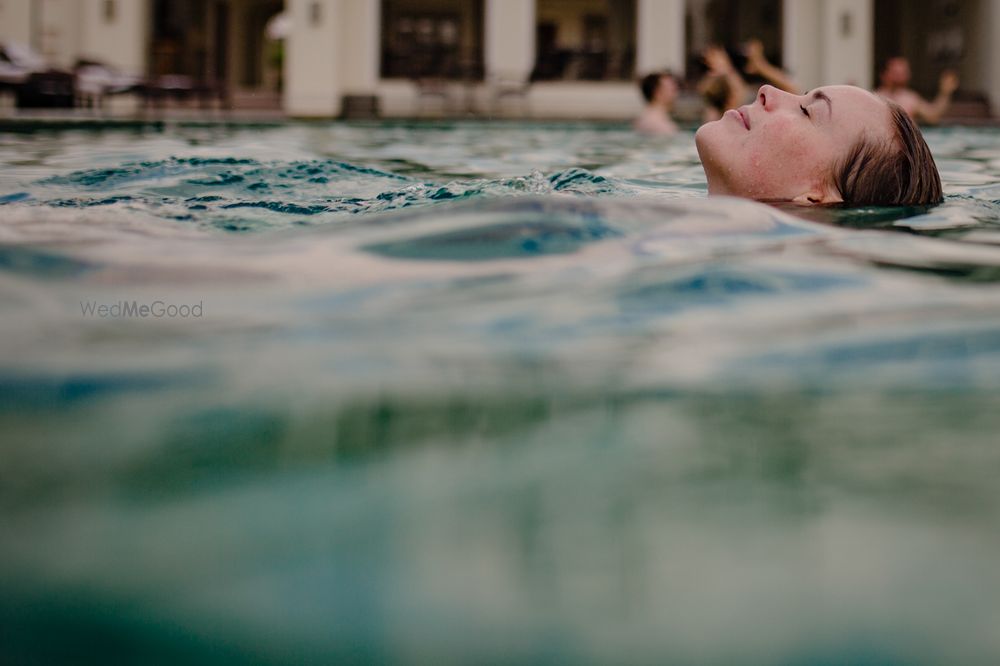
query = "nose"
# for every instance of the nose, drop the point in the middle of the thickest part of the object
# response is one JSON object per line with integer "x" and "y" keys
{"x": 771, "y": 98}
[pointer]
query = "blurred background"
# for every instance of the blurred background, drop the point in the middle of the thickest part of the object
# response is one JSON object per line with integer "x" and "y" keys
{"x": 518, "y": 58}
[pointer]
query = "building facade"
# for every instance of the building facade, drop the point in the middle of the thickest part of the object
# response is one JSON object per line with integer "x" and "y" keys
{"x": 539, "y": 58}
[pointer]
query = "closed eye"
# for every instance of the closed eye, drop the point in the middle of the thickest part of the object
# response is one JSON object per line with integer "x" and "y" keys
{"x": 804, "y": 110}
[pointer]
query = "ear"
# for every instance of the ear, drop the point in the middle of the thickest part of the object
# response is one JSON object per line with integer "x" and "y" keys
{"x": 818, "y": 195}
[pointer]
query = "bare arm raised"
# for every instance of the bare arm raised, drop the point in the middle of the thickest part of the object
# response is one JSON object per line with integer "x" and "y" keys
{"x": 758, "y": 64}
{"x": 931, "y": 112}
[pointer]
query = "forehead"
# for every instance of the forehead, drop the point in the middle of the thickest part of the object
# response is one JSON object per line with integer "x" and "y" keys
{"x": 856, "y": 109}
{"x": 851, "y": 98}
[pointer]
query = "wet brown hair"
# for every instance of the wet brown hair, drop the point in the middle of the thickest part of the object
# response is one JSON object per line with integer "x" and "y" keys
{"x": 897, "y": 172}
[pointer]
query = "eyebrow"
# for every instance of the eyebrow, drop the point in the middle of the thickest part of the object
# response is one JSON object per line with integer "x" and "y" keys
{"x": 819, "y": 94}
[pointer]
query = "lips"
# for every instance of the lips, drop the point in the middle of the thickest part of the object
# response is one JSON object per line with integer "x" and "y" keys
{"x": 744, "y": 116}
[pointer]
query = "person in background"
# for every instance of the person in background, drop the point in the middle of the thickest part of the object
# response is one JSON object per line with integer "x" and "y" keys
{"x": 895, "y": 86}
{"x": 659, "y": 89}
{"x": 724, "y": 87}
{"x": 721, "y": 87}
{"x": 759, "y": 66}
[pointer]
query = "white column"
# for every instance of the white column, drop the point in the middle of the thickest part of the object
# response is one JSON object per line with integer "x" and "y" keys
{"x": 360, "y": 30}
{"x": 802, "y": 41}
{"x": 118, "y": 38}
{"x": 660, "y": 39}
{"x": 509, "y": 39}
{"x": 59, "y": 23}
{"x": 15, "y": 21}
{"x": 991, "y": 73}
{"x": 312, "y": 82}
{"x": 848, "y": 41}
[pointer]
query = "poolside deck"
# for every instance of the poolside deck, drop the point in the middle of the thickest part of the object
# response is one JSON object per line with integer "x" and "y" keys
{"x": 396, "y": 105}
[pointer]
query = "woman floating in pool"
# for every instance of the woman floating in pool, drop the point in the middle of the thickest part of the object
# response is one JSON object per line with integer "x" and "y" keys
{"x": 835, "y": 144}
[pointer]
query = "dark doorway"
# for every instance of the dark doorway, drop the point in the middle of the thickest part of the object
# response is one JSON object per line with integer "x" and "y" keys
{"x": 931, "y": 34}
{"x": 432, "y": 39}
{"x": 188, "y": 51}
{"x": 731, "y": 23}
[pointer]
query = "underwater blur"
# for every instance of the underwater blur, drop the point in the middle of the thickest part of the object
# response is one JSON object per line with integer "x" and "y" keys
{"x": 453, "y": 392}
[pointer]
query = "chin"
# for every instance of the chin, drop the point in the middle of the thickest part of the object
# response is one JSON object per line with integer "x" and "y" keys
{"x": 708, "y": 142}
{"x": 703, "y": 140}
{"x": 705, "y": 130}
{"x": 711, "y": 139}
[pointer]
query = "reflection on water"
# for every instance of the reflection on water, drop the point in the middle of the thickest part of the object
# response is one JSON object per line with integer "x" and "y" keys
{"x": 502, "y": 393}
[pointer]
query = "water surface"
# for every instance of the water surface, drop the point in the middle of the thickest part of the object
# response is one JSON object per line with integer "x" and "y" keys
{"x": 493, "y": 392}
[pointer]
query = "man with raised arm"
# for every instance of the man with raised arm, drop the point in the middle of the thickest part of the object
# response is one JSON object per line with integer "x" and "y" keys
{"x": 895, "y": 86}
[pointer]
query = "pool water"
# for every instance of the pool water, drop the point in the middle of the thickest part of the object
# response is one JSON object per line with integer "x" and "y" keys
{"x": 488, "y": 392}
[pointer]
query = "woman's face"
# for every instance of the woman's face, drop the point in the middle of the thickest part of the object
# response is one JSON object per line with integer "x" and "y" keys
{"x": 783, "y": 147}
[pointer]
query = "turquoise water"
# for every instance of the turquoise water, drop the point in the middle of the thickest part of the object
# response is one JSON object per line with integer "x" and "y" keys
{"x": 471, "y": 392}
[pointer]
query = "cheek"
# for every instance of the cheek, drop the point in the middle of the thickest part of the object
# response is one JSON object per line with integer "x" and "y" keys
{"x": 781, "y": 142}
{"x": 782, "y": 155}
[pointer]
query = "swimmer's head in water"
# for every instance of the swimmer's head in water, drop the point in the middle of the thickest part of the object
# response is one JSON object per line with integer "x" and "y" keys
{"x": 659, "y": 87}
{"x": 836, "y": 144}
